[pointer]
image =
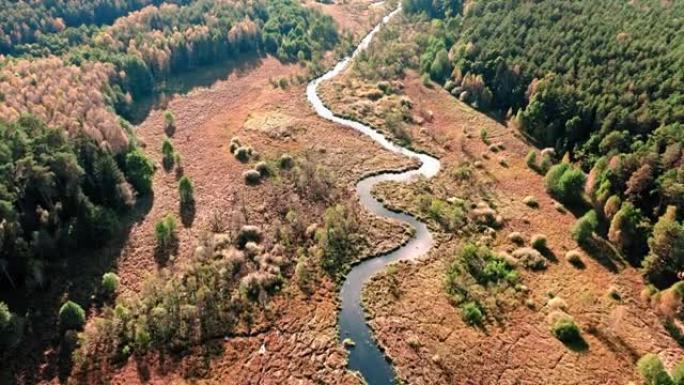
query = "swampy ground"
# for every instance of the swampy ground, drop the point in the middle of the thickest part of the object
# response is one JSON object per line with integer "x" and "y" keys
{"x": 483, "y": 163}
{"x": 292, "y": 337}
{"x": 299, "y": 331}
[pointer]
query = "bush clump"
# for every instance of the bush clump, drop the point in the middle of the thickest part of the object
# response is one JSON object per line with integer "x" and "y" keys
{"x": 516, "y": 238}
{"x": 574, "y": 257}
{"x": 263, "y": 168}
{"x": 539, "y": 242}
{"x": 286, "y": 162}
{"x": 71, "y": 316}
{"x": 234, "y": 144}
{"x": 531, "y": 201}
{"x": 165, "y": 231}
{"x": 485, "y": 266}
{"x": 585, "y": 227}
{"x": 565, "y": 182}
{"x": 168, "y": 157}
{"x": 243, "y": 153}
{"x": 566, "y": 331}
{"x": 653, "y": 371}
{"x": 252, "y": 177}
{"x": 530, "y": 258}
{"x": 248, "y": 233}
{"x": 109, "y": 284}
{"x": 186, "y": 191}
{"x": 472, "y": 314}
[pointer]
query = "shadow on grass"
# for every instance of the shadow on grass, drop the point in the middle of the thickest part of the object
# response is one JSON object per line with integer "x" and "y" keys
{"x": 187, "y": 213}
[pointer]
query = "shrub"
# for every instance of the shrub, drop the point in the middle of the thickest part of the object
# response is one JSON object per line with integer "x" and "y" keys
{"x": 530, "y": 258}
{"x": 449, "y": 216}
{"x": 139, "y": 171}
{"x": 165, "y": 231}
{"x": 286, "y": 162}
{"x": 71, "y": 316}
{"x": 574, "y": 257}
{"x": 248, "y": 233}
{"x": 169, "y": 122}
{"x": 531, "y": 160}
{"x": 539, "y": 242}
{"x": 546, "y": 164}
{"x": 263, "y": 168}
{"x": 531, "y": 201}
{"x": 252, "y": 177}
{"x": 485, "y": 266}
{"x": 338, "y": 239}
{"x": 584, "y": 228}
{"x": 109, "y": 284}
{"x": 653, "y": 371}
{"x": 484, "y": 135}
{"x": 565, "y": 182}
{"x": 185, "y": 191}
{"x": 243, "y": 153}
{"x": 234, "y": 144}
{"x": 167, "y": 154}
{"x": 516, "y": 238}
{"x": 566, "y": 331}
{"x": 472, "y": 314}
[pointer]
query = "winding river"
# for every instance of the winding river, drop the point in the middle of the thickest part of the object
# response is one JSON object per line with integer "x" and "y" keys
{"x": 366, "y": 357}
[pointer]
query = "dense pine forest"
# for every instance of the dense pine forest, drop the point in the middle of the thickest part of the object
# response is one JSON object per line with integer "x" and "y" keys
{"x": 601, "y": 82}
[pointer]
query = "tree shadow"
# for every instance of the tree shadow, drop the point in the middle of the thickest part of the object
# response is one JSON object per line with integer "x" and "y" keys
{"x": 604, "y": 253}
{"x": 578, "y": 264}
{"x": 169, "y": 130}
{"x": 162, "y": 253}
{"x": 579, "y": 345}
{"x": 548, "y": 254}
{"x": 187, "y": 213}
{"x": 183, "y": 83}
{"x": 77, "y": 278}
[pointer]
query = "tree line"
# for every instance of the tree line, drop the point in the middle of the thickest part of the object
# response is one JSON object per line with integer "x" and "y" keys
{"x": 26, "y": 21}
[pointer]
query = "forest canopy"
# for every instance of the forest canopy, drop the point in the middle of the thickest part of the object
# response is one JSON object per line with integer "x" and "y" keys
{"x": 602, "y": 81}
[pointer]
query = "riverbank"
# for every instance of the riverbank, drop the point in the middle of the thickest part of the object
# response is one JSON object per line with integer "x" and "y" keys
{"x": 413, "y": 317}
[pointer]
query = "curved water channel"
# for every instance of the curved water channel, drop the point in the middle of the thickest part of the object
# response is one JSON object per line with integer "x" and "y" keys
{"x": 366, "y": 357}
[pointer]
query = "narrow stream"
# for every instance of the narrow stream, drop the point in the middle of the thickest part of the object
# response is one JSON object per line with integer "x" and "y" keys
{"x": 366, "y": 357}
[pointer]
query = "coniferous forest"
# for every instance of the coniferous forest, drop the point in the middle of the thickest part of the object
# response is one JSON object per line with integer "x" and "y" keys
{"x": 599, "y": 81}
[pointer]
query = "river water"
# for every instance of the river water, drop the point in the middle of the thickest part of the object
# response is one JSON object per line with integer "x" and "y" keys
{"x": 366, "y": 357}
